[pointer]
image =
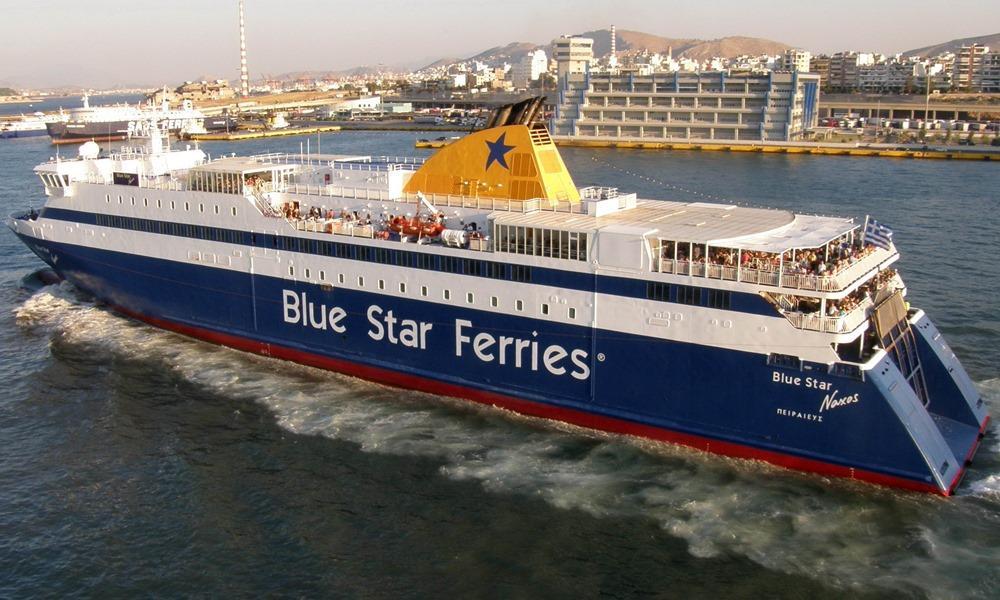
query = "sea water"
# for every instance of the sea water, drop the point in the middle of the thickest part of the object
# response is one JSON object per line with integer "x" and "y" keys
{"x": 139, "y": 462}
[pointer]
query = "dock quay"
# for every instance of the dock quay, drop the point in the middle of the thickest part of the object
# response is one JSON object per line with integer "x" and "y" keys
{"x": 813, "y": 148}
{"x": 260, "y": 133}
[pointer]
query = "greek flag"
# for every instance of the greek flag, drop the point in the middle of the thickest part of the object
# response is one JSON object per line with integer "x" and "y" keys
{"x": 878, "y": 234}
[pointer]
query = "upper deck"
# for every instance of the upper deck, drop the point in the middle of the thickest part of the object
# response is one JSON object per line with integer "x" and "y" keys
{"x": 323, "y": 194}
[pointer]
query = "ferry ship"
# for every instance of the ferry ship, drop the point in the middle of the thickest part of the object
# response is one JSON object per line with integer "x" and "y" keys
{"x": 485, "y": 273}
{"x": 121, "y": 121}
{"x": 27, "y": 126}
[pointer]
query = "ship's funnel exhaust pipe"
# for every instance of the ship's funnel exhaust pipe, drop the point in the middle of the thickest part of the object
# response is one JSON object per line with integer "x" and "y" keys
{"x": 519, "y": 113}
{"x": 533, "y": 110}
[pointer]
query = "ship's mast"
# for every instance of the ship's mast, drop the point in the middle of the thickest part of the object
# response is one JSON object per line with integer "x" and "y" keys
{"x": 244, "y": 74}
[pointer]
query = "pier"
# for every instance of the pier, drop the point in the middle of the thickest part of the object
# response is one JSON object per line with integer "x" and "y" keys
{"x": 874, "y": 150}
{"x": 261, "y": 133}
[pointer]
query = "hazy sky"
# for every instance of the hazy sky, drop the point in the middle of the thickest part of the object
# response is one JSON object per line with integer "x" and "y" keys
{"x": 104, "y": 42}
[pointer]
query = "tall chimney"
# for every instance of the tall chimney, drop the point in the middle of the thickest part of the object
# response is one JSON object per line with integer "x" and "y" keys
{"x": 244, "y": 74}
{"x": 613, "y": 44}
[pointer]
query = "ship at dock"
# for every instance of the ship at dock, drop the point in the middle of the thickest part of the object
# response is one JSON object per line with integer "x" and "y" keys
{"x": 27, "y": 126}
{"x": 485, "y": 273}
{"x": 121, "y": 121}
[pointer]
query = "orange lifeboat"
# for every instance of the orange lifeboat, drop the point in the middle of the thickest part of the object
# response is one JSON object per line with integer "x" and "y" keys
{"x": 416, "y": 227}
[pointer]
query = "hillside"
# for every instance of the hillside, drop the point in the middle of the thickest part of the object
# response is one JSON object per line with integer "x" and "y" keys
{"x": 687, "y": 47}
{"x": 993, "y": 41}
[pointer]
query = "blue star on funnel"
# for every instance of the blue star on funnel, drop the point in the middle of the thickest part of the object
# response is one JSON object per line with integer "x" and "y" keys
{"x": 498, "y": 152}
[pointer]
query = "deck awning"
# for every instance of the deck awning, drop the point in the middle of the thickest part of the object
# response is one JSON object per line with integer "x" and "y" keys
{"x": 805, "y": 231}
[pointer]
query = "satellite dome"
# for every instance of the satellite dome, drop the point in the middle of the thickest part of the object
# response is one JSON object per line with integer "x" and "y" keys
{"x": 90, "y": 150}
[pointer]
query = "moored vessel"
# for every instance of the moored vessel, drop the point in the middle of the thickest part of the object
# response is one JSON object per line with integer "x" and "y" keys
{"x": 485, "y": 273}
{"x": 120, "y": 121}
{"x": 27, "y": 126}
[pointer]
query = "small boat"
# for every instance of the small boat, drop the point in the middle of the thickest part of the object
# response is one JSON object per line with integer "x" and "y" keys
{"x": 417, "y": 227}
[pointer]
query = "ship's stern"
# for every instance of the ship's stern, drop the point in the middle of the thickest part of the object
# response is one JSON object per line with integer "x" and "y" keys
{"x": 930, "y": 392}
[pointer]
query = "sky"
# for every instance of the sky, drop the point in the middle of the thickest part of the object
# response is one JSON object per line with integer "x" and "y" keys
{"x": 104, "y": 43}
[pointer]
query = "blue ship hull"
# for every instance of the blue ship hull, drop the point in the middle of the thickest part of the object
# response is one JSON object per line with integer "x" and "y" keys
{"x": 23, "y": 134}
{"x": 724, "y": 401}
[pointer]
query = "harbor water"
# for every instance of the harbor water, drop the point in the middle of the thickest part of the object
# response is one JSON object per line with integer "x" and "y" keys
{"x": 137, "y": 462}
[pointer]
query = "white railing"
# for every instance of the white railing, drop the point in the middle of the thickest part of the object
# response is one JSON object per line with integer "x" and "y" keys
{"x": 145, "y": 181}
{"x": 820, "y": 283}
{"x": 439, "y": 200}
{"x": 334, "y": 226}
{"x": 834, "y": 324}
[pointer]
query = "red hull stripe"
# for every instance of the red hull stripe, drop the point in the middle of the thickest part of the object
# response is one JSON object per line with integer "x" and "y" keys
{"x": 534, "y": 409}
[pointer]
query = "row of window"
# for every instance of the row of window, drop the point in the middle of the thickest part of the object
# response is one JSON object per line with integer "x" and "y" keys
{"x": 470, "y": 297}
{"x": 687, "y": 294}
{"x": 215, "y": 234}
{"x": 54, "y": 180}
{"x": 535, "y": 241}
{"x": 386, "y": 256}
{"x": 173, "y": 204}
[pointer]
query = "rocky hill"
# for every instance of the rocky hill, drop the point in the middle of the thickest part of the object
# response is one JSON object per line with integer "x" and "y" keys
{"x": 687, "y": 47}
{"x": 633, "y": 41}
{"x": 993, "y": 41}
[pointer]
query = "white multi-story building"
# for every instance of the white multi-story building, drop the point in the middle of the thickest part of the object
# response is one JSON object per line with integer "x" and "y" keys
{"x": 531, "y": 66}
{"x": 796, "y": 60}
{"x": 968, "y": 62}
{"x": 932, "y": 75}
{"x": 987, "y": 76}
{"x": 844, "y": 69}
{"x": 573, "y": 55}
{"x": 894, "y": 76}
{"x": 688, "y": 106}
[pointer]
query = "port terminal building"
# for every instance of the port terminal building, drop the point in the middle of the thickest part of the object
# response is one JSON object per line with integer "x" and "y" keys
{"x": 776, "y": 106}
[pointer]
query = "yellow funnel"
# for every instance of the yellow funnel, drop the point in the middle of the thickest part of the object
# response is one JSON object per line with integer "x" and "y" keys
{"x": 512, "y": 162}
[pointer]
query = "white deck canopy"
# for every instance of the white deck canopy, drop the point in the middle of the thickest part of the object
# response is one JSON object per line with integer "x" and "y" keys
{"x": 805, "y": 231}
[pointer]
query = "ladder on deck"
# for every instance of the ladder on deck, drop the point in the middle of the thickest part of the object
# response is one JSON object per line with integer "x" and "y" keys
{"x": 262, "y": 204}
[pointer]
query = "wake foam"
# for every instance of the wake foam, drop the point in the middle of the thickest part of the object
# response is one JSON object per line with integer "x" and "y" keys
{"x": 845, "y": 534}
